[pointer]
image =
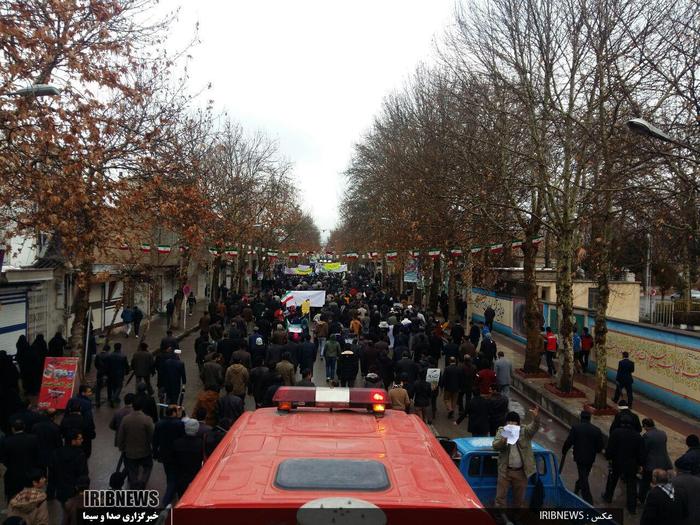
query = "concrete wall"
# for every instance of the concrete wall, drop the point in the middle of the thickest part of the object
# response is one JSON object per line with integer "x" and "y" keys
{"x": 667, "y": 361}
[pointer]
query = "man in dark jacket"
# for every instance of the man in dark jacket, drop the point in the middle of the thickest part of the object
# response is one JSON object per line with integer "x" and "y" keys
{"x": 19, "y": 452}
{"x": 226, "y": 347}
{"x": 147, "y": 402}
{"x": 243, "y": 356}
{"x": 692, "y": 456}
{"x": 188, "y": 455}
{"x": 587, "y": 440}
{"x": 457, "y": 334}
{"x": 348, "y": 367}
{"x": 258, "y": 383}
{"x": 624, "y": 379}
{"x": 489, "y": 348}
{"x": 134, "y": 438}
{"x": 474, "y": 334}
{"x": 467, "y": 383}
{"x": 450, "y": 381}
{"x": 212, "y": 373}
{"x": 67, "y": 466}
{"x": 407, "y": 366}
{"x": 498, "y": 408}
{"x": 49, "y": 435}
{"x": 690, "y": 484}
{"x": 229, "y": 406}
{"x": 143, "y": 365}
{"x": 174, "y": 378}
{"x": 656, "y": 455}
{"x": 625, "y": 451}
{"x": 489, "y": 316}
{"x": 625, "y": 415}
{"x": 478, "y": 412}
{"x": 102, "y": 375}
{"x": 76, "y": 421}
{"x": 165, "y": 433}
{"x": 307, "y": 354}
{"x": 137, "y": 318}
{"x": 201, "y": 348}
{"x": 169, "y": 341}
{"x": 665, "y": 504}
{"x": 116, "y": 371}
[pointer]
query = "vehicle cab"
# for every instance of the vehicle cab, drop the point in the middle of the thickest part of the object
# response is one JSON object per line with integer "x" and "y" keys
{"x": 335, "y": 450}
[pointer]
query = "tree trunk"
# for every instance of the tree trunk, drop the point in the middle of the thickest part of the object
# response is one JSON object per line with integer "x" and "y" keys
{"x": 81, "y": 305}
{"x": 215, "y": 269}
{"x": 452, "y": 293}
{"x": 565, "y": 305}
{"x": 532, "y": 319}
{"x": 182, "y": 278}
{"x": 467, "y": 278}
{"x": 434, "y": 286}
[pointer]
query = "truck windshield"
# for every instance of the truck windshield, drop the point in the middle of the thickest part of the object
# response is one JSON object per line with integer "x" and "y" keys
{"x": 331, "y": 474}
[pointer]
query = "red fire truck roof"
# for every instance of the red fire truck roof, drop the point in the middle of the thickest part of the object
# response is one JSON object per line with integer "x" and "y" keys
{"x": 271, "y": 459}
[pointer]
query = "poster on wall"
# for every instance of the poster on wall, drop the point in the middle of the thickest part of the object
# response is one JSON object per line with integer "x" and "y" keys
{"x": 410, "y": 271}
{"x": 57, "y": 382}
{"x": 519, "y": 309}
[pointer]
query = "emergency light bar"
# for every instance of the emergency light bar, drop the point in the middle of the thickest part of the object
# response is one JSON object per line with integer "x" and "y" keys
{"x": 290, "y": 397}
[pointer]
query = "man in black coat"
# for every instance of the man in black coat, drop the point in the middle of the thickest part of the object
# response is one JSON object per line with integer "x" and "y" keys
{"x": 625, "y": 415}
{"x": 691, "y": 457}
{"x": 117, "y": 368}
{"x": 624, "y": 379}
{"x": 690, "y": 484}
{"x": 169, "y": 341}
{"x": 165, "y": 433}
{"x": 307, "y": 354}
{"x": 188, "y": 455}
{"x": 498, "y": 409}
{"x": 56, "y": 345}
{"x": 49, "y": 435}
{"x": 229, "y": 406}
{"x": 407, "y": 366}
{"x": 450, "y": 382}
{"x": 665, "y": 503}
{"x": 587, "y": 440}
{"x": 625, "y": 451}
{"x": 19, "y": 452}
{"x": 174, "y": 377}
{"x": 489, "y": 316}
{"x": 656, "y": 454}
{"x": 138, "y": 317}
{"x": 143, "y": 365}
{"x": 489, "y": 348}
{"x": 102, "y": 375}
{"x": 474, "y": 333}
{"x": 348, "y": 367}
{"x": 67, "y": 466}
{"x": 457, "y": 333}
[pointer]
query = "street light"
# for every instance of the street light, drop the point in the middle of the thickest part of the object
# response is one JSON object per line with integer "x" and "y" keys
{"x": 36, "y": 90}
{"x": 647, "y": 129}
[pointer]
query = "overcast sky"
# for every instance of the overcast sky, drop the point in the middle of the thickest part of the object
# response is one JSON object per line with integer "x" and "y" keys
{"x": 310, "y": 73}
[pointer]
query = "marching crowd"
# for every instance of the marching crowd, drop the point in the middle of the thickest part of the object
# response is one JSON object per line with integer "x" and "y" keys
{"x": 249, "y": 346}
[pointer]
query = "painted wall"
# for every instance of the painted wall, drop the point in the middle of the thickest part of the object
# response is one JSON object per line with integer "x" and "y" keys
{"x": 667, "y": 361}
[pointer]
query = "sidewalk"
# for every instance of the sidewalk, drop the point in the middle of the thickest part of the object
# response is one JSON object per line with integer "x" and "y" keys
{"x": 676, "y": 425}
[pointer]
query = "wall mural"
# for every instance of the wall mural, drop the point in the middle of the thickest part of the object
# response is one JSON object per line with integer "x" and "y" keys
{"x": 481, "y": 302}
{"x": 675, "y": 368}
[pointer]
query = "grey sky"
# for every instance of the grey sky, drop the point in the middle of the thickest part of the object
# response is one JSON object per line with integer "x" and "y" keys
{"x": 310, "y": 73}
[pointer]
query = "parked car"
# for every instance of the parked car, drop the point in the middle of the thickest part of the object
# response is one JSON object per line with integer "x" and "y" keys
{"x": 694, "y": 295}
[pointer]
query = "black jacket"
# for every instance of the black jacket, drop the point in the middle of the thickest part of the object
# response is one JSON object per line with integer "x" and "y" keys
{"x": 307, "y": 356}
{"x": 422, "y": 393}
{"x": 451, "y": 378}
{"x": 587, "y": 440}
{"x": 76, "y": 422}
{"x": 406, "y": 366}
{"x": 626, "y": 450}
{"x": 67, "y": 465}
{"x": 625, "y": 369}
{"x": 659, "y": 508}
{"x": 117, "y": 367}
{"x": 229, "y": 407}
{"x": 348, "y": 366}
{"x": 478, "y": 416}
{"x": 457, "y": 334}
{"x": 625, "y": 416}
{"x": 166, "y": 431}
{"x": 49, "y": 435}
{"x": 187, "y": 457}
{"x": 19, "y": 453}
{"x": 498, "y": 408}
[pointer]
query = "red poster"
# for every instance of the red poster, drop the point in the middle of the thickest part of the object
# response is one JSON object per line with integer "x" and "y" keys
{"x": 57, "y": 382}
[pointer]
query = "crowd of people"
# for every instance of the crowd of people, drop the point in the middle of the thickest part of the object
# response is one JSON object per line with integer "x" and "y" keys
{"x": 250, "y": 345}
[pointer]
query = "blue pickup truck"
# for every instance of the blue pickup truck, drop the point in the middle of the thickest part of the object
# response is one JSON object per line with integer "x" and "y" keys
{"x": 477, "y": 462}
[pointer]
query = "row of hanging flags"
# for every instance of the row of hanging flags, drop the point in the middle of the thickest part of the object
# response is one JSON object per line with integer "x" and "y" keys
{"x": 165, "y": 249}
{"x": 391, "y": 255}
{"x": 436, "y": 253}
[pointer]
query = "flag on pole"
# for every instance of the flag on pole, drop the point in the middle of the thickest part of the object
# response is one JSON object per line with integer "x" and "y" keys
{"x": 516, "y": 244}
{"x": 164, "y": 248}
{"x": 351, "y": 255}
{"x": 496, "y": 248}
{"x": 475, "y": 249}
{"x": 434, "y": 253}
{"x": 414, "y": 253}
{"x": 183, "y": 249}
{"x": 123, "y": 246}
{"x": 537, "y": 240}
{"x": 145, "y": 247}
{"x": 456, "y": 252}
{"x": 231, "y": 252}
{"x": 390, "y": 256}
{"x": 286, "y": 298}
{"x": 272, "y": 255}
{"x": 214, "y": 251}
{"x": 293, "y": 255}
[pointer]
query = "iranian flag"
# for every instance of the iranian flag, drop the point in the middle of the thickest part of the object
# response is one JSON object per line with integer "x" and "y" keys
{"x": 214, "y": 251}
{"x": 373, "y": 255}
{"x": 123, "y": 246}
{"x": 351, "y": 255}
{"x": 414, "y": 253}
{"x": 164, "y": 248}
{"x": 496, "y": 248}
{"x": 434, "y": 253}
{"x": 391, "y": 255}
{"x": 230, "y": 252}
{"x": 272, "y": 255}
{"x": 456, "y": 252}
{"x": 145, "y": 247}
{"x": 475, "y": 249}
{"x": 286, "y": 298}
{"x": 516, "y": 244}
{"x": 537, "y": 240}
{"x": 293, "y": 255}
{"x": 183, "y": 249}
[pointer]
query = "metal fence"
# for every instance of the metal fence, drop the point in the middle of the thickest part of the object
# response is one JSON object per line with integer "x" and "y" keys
{"x": 656, "y": 311}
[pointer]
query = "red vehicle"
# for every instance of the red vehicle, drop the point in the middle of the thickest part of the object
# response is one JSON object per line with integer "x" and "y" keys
{"x": 331, "y": 449}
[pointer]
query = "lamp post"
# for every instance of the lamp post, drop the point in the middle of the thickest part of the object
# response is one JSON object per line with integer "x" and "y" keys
{"x": 647, "y": 129}
{"x": 35, "y": 90}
